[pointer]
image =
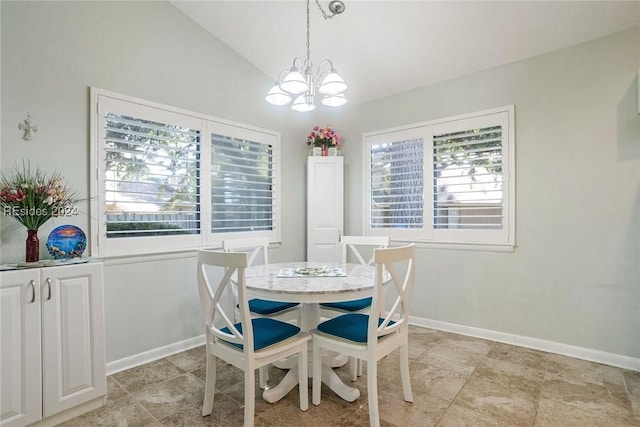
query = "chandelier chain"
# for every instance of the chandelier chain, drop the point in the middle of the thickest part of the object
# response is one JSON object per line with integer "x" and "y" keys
{"x": 307, "y": 63}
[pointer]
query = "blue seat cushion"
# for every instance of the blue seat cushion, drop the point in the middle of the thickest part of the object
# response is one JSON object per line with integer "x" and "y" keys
{"x": 352, "y": 327}
{"x": 266, "y": 332}
{"x": 266, "y": 308}
{"x": 355, "y": 305}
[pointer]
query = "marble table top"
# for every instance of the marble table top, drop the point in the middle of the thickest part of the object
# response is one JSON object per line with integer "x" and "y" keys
{"x": 263, "y": 282}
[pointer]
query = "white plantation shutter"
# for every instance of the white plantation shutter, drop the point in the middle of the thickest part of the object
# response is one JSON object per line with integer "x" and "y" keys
{"x": 151, "y": 177}
{"x": 242, "y": 185}
{"x": 467, "y": 172}
{"x": 446, "y": 181}
{"x": 397, "y": 181}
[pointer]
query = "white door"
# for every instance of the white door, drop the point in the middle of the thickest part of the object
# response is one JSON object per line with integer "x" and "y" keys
{"x": 20, "y": 363}
{"x": 325, "y": 208}
{"x": 73, "y": 336}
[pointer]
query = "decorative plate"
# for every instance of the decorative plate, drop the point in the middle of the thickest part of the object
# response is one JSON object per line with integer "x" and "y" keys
{"x": 66, "y": 241}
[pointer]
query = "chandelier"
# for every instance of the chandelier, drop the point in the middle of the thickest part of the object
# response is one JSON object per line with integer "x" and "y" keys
{"x": 301, "y": 84}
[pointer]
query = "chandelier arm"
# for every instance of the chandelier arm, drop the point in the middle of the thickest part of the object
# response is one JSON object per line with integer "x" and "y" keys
{"x": 322, "y": 74}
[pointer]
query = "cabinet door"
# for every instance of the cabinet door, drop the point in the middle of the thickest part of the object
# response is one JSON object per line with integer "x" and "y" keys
{"x": 20, "y": 363}
{"x": 72, "y": 336}
{"x": 325, "y": 206}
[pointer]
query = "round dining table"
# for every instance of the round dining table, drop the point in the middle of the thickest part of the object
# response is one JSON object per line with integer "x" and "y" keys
{"x": 338, "y": 282}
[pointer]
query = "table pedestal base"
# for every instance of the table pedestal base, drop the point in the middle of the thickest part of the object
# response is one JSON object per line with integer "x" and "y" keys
{"x": 330, "y": 378}
{"x": 310, "y": 319}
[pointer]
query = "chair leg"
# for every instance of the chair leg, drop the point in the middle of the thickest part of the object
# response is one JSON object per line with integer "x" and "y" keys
{"x": 249, "y": 396}
{"x": 372, "y": 391}
{"x": 404, "y": 373}
{"x": 210, "y": 385}
{"x": 263, "y": 374}
{"x": 303, "y": 378}
{"x": 317, "y": 372}
{"x": 354, "y": 364}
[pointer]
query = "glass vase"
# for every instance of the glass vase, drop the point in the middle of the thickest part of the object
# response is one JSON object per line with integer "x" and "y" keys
{"x": 32, "y": 246}
{"x": 325, "y": 150}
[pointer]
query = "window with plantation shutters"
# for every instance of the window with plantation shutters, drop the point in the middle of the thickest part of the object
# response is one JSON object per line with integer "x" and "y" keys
{"x": 242, "y": 190}
{"x": 169, "y": 179}
{"x": 446, "y": 181}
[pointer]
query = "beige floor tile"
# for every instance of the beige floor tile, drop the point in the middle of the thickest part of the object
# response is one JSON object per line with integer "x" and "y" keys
{"x": 124, "y": 412}
{"x": 141, "y": 377}
{"x": 180, "y": 395}
{"x": 519, "y": 355}
{"x": 189, "y": 360}
{"x": 589, "y": 397}
{"x": 457, "y": 416}
{"x": 555, "y": 414}
{"x": 511, "y": 375}
{"x": 499, "y": 400}
{"x": 424, "y": 411}
{"x": 114, "y": 390}
{"x": 437, "y": 382}
{"x": 632, "y": 383}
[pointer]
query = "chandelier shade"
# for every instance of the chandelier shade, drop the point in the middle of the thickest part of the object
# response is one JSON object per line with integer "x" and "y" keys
{"x": 294, "y": 82}
{"x": 300, "y": 83}
{"x": 334, "y": 100}
{"x": 332, "y": 84}
{"x": 303, "y": 104}
{"x": 277, "y": 96}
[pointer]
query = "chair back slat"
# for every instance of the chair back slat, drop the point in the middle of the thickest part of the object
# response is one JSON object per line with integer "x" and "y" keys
{"x": 352, "y": 243}
{"x": 251, "y": 246}
{"x": 232, "y": 264}
{"x": 398, "y": 264}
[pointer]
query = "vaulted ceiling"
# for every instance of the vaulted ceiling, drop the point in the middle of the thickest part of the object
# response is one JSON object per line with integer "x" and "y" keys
{"x": 385, "y": 47}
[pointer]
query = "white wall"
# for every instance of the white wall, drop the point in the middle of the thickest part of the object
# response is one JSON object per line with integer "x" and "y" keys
{"x": 574, "y": 277}
{"x": 52, "y": 52}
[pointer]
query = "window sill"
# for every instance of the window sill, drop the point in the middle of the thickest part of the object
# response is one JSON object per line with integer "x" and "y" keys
{"x": 482, "y": 247}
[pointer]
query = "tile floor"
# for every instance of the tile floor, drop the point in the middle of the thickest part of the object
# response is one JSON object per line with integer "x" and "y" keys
{"x": 457, "y": 381}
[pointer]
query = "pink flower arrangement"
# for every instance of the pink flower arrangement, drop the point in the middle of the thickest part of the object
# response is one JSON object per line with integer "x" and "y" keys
{"x": 32, "y": 198}
{"x": 324, "y": 136}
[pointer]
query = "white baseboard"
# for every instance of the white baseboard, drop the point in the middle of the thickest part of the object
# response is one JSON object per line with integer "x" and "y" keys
{"x": 625, "y": 362}
{"x": 155, "y": 354}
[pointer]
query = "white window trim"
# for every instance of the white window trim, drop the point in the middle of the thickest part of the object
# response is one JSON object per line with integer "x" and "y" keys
{"x": 143, "y": 246}
{"x": 447, "y": 239}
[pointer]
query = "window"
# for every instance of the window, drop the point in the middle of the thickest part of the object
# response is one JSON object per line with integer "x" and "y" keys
{"x": 446, "y": 181}
{"x": 169, "y": 179}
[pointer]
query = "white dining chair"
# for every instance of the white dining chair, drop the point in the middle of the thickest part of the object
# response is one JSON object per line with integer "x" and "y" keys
{"x": 371, "y": 337}
{"x": 353, "y": 245}
{"x": 259, "y": 307}
{"x": 249, "y": 344}
{"x": 286, "y": 311}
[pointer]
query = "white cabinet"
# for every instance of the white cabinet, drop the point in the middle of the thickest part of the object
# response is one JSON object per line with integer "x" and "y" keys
{"x": 325, "y": 207}
{"x": 52, "y": 364}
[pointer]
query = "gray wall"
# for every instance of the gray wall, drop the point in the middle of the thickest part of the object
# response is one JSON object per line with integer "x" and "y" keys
{"x": 52, "y": 52}
{"x": 574, "y": 277}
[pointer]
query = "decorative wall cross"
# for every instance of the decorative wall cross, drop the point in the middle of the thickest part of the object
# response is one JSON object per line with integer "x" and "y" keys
{"x": 28, "y": 128}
